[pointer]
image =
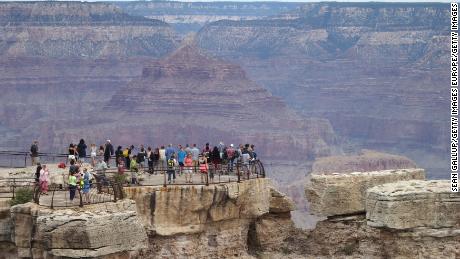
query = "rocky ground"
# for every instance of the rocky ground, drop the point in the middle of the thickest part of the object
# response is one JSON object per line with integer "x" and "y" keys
{"x": 385, "y": 216}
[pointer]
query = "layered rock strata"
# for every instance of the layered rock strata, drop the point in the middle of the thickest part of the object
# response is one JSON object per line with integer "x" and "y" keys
{"x": 411, "y": 204}
{"x": 340, "y": 194}
{"x": 354, "y": 64}
{"x": 91, "y": 30}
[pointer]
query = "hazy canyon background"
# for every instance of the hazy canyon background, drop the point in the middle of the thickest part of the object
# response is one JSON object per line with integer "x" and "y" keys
{"x": 303, "y": 82}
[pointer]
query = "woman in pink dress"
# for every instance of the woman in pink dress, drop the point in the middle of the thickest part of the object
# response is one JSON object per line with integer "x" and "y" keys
{"x": 44, "y": 180}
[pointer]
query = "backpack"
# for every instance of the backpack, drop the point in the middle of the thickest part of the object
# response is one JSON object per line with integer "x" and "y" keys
{"x": 125, "y": 153}
{"x": 171, "y": 163}
{"x": 230, "y": 153}
{"x": 236, "y": 154}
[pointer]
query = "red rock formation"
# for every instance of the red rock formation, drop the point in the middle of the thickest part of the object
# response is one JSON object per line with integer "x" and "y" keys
{"x": 189, "y": 96}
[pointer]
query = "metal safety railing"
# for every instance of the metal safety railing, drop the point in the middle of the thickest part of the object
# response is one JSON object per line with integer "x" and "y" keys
{"x": 21, "y": 159}
{"x": 9, "y": 186}
{"x": 189, "y": 175}
{"x": 59, "y": 195}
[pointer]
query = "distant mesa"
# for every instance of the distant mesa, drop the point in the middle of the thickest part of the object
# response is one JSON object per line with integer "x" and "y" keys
{"x": 188, "y": 62}
{"x": 192, "y": 94}
{"x": 89, "y": 30}
{"x": 366, "y": 161}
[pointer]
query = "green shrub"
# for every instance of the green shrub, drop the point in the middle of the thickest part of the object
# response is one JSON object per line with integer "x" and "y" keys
{"x": 120, "y": 178}
{"x": 22, "y": 195}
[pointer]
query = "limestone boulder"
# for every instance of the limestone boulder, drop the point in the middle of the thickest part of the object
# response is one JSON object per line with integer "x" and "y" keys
{"x": 413, "y": 204}
{"x": 77, "y": 233}
{"x": 340, "y": 194}
{"x": 272, "y": 230}
{"x": 280, "y": 203}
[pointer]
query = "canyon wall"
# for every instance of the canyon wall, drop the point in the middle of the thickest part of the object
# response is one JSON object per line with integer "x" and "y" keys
{"x": 61, "y": 62}
{"x": 354, "y": 64}
{"x": 188, "y": 17}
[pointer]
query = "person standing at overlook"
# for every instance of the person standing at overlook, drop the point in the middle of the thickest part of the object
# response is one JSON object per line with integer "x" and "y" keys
{"x": 141, "y": 155}
{"x": 172, "y": 163}
{"x": 72, "y": 185}
{"x": 231, "y": 157}
{"x": 150, "y": 159}
{"x": 108, "y": 152}
{"x": 72, "y": 153}
{"x": 34, "y": 153}
{"x": 86, "y": 185}
{"x": 169, "y": 151}
{"x": 156, "y": 157}
{"x": 206, "y": 151}
{"x": 118, "y": 155}
{"x": 195, "y": 155}
{"x": 221, "y": 148}
{"x": 253, "y": 152}
{"x": 44, "y": 180}
{"x": 181, "y": 154}
{"x": 37, "y": 173}
{"x": 93, "y": 150}
{"x": 216, "y": 161}
{"x": 187, "y": 148}
{"x": 203, "y": 167}
{"x": 188, "y": 162}
{"x": 162, "y": 153}
{"x": 100, "y": 152}
{"x": 81, "y": 149}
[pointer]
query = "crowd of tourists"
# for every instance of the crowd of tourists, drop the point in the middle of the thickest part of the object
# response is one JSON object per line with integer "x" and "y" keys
{"x": 182, "y": 159}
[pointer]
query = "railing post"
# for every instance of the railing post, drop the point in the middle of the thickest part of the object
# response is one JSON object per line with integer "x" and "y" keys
{"x": 238, "y": 171}
{"x": 52, "y": 198}
{"x": 249, "y": 170}
{"x": 115, "y": 191}
{"x": 14, "y": 186}
{"x": 81, "y": 198}
{"x": 25, "y": 160}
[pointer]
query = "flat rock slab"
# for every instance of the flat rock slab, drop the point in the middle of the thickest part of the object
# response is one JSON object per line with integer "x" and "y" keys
{"x": 94, "y": 231}
{"x": 413, "y": 204}
{"x": 341, "y": 194}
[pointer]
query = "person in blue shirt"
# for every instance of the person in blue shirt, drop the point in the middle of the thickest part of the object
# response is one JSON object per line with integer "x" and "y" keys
{"x": 181, "y": 154}
{"x": 169, "y": 151}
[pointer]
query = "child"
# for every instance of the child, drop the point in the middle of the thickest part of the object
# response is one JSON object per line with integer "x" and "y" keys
{"x": 86, "y": 185}
{"x": 121, "y": 165}
{"x": 44, "y": 179}
{"x": 172, "y": 163}
{"x": 72, "y": 185}
{"x": 188, "y": 162}
{"x": 203, "y": 167}
{"x": 93, "y": 154}
{"x": 133, "y": 167}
